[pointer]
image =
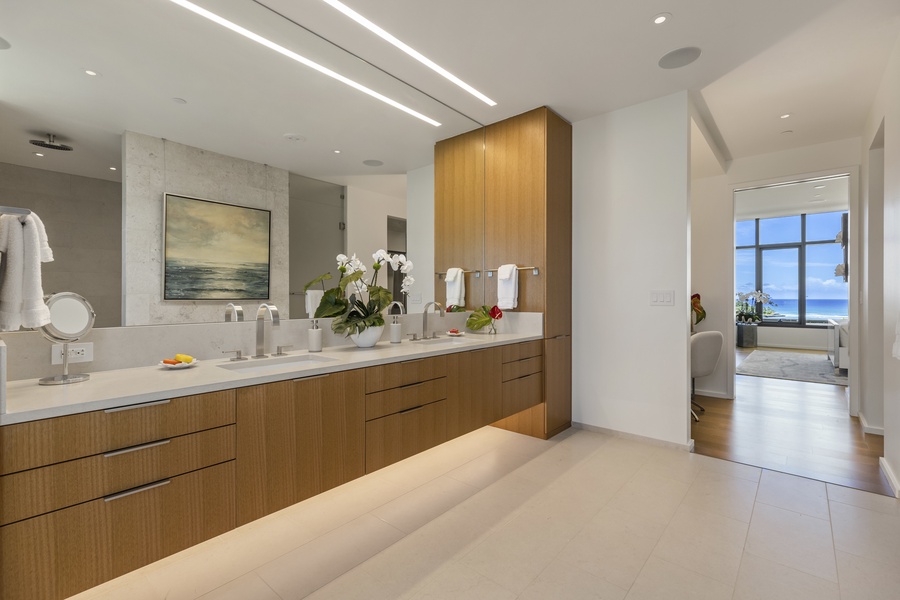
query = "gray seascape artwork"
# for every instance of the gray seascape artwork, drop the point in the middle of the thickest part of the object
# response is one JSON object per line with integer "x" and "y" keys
{"x": 215, "y": 251}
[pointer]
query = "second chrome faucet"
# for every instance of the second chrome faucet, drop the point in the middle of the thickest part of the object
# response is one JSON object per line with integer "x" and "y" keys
{"x": 261, "y": 327}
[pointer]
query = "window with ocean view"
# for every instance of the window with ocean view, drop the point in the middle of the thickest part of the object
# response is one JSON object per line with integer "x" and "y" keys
{"x": 793, "y": 259}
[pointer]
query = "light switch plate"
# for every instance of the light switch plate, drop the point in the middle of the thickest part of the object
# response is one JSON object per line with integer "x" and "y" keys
{"x": 662, "y": 297}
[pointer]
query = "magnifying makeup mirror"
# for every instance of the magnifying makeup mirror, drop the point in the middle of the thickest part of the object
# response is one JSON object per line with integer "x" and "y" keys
{"x": 71, "y": 317}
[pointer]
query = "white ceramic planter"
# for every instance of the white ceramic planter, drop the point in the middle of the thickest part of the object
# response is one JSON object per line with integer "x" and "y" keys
{"x": 368, "y": 338}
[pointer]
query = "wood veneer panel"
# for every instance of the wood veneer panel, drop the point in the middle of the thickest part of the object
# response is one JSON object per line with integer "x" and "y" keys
{"x": 528, "y": 422}
{"x": 513, "y": 352}
{"x": 459, "y": 210}
{"x": 521, "y": 368}
{"x": 520, "y": 394}
{"x": 558, "y": 273}
{"x": 67, "y": 551}
{"x": 47, "y": 441}
{"x": 515, "y": 204}
{"x": 394, "y": 375}
{"x": 558, "y": 384}
{"x": 474, "y": 395}
{"x": 36, "y": 491}
{"x": 388, "y": 402}
{"x": 395, "y": 437}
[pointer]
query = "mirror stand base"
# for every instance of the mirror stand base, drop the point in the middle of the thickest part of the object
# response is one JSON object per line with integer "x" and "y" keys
{"x": 64, "y": 379}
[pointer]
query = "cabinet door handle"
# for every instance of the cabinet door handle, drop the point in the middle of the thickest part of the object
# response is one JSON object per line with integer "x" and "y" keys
{"x": 136, "y": 490}
{"x": 136, "y": 448}
{"x": 134, "y": 406}
{"x": 409, "y": 410}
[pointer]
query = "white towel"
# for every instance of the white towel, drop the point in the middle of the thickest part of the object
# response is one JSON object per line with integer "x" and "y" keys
{"x": 313, "y": 298}
{"x": 456, "y": 287}
{"x": 507, "y": 287}
{"x": 23, "y": 242}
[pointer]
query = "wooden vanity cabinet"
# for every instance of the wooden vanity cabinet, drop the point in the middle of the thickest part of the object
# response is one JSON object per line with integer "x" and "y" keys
{"x": 474, "y": 394}
{"x": 88, "y": 497}
{"x": 405, "y": 409}
{"x": 297, "y": 439}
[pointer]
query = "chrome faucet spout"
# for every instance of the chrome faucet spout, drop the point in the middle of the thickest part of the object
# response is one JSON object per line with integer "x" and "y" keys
{"x": 261, "y": 326}
{"x": 440, "y": 307}
{"x": 233, "y": 312}
{"x": 387, "y": 310}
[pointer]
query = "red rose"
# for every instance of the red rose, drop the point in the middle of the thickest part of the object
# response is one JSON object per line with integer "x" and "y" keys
{"x": 496, "y": 313}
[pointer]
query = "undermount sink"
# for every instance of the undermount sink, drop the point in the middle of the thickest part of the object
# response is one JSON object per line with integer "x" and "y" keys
{"x": 273, "y": 365}
{"x": 449, "y": 341}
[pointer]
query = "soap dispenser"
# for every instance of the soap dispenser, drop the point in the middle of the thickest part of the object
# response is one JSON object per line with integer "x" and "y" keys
{"x": 314, "y": 337}
{"x": 396, "y": 327}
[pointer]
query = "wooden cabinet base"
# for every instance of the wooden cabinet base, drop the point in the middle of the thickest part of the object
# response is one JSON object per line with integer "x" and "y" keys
{"x": 401, "y": 435}
{"x": 68, "y": 551}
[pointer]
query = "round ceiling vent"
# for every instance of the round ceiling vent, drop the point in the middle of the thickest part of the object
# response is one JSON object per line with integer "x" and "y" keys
{"x": 679, "y": 58}
{"x": 372, "y": 163}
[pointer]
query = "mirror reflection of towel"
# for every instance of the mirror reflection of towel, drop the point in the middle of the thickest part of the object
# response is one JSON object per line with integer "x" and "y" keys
{"x": 456, "y": 287}
{"x": 23, "y": 242}
{"x": 507, "y": 287}
{"x": 313, "y": 298}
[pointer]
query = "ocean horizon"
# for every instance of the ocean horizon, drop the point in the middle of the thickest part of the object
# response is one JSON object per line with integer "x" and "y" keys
{"x": 817, "y": 309}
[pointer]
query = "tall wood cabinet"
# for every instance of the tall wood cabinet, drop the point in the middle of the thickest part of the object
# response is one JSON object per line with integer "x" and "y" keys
{"x": 526, "y": 215}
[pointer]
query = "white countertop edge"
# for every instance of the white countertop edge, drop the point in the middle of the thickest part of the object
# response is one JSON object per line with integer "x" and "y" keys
{"x": 28, "y": 401}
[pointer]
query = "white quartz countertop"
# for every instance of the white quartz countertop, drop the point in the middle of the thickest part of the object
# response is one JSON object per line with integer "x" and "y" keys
{"x": 28, "y": 401}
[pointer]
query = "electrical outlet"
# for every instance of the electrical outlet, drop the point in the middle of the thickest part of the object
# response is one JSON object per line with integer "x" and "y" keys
{"x": 78, "y": 353}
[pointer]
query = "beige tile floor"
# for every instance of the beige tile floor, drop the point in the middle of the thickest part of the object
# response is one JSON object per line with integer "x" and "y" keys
{"x": 496, "y": 515}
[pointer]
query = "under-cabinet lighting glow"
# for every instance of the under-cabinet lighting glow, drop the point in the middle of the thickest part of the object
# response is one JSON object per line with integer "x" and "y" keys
{"x": 297, "y": 57}
{"x": 410, "y": 51}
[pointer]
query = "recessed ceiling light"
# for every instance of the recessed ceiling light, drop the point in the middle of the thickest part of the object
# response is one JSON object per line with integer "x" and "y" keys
{"x": 93, "y": 73}
{"x": 346, "y": 10}
{"x": 681, "y": 57}
{"x": 372, "y": 163}
{"x": 294, "y": 137}
{"x": 787, "y": 131}
{"x": 819, "y": 187}
{"x": 337, "y": 151}
{"x": 785, "y": 115}
{"x": 38, "y": 153}
{"x": 300, "y": 59}
{"x": 661, "y": 18}
{"x": 113, "y": 169}
{"x": 179, "y": 100}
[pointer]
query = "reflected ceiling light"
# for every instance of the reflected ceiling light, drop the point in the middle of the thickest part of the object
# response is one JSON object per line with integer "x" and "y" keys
{"x": 410, "y": 51}
{"x": 38, "y": 153}
{"x": 787, "y": 131}
{"x": 337, "y": 151}
{"x": 661, "y": 18}
{"x": 92, "y": 73}
{"x": 785, "y": 115}
{"x": 819, "y": 187}
{"x": 300, "y": 59}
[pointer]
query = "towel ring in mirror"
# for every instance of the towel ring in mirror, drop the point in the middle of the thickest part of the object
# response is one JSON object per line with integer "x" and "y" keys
{"x": 71, "y": 318}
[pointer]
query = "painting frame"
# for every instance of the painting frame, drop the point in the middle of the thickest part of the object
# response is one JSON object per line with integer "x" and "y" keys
{"x": 214, "y": 250}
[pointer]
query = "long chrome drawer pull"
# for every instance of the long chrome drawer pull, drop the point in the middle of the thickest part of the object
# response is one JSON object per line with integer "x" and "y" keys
{"x": 136, "y": 448}
{"x": 134, "y": 406}
{"x": 313, "y": 377}
{"x": 136, "y": 490}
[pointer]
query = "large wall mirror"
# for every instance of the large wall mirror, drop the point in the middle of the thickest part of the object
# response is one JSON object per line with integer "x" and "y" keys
{"x": 162, "y": 72}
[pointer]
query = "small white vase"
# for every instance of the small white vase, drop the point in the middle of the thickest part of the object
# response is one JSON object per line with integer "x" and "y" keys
{"x": 368, "y": 337}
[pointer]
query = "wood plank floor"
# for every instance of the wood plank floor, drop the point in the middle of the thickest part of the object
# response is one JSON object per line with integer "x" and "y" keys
{"x": 793, "y": 427}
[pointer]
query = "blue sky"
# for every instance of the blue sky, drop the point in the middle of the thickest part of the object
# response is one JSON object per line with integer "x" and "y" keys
{"x": 780, "y": 265}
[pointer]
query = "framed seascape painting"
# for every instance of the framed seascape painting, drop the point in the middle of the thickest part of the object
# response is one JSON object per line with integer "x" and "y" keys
{"x": 215, "y": 251}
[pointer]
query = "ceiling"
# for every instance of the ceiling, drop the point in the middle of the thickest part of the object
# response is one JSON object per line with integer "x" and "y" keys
{"x": 760, "y": 60}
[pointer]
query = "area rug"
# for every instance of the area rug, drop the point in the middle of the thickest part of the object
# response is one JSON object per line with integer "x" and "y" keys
{"x": 815, "y": 368}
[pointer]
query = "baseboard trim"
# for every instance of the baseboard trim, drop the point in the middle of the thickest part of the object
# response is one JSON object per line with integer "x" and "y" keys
{"x": 710, "y": 394}
{"x": 891, "y": 477}
{"x": 868, "y": 428}
{"x": 689, "y": 447}
{"x": 794, "y": 347}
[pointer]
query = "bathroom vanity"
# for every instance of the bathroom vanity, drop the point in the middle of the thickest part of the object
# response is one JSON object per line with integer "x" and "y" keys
{"x": 104, "y": 477}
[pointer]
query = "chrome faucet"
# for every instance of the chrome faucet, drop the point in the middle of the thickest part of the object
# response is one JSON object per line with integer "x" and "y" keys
{"x": 387, "y": 310}
{"x": 233, "y": 312}
{"x": 440, "y": 307}
{"x": 261, "y": 327}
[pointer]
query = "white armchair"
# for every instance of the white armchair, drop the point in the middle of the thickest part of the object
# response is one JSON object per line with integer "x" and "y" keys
{"x": 839, "y": 343}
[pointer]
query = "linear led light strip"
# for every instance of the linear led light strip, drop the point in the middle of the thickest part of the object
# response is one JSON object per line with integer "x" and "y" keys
{"x": 300, "y": 59}
{"x": 416, "y": 55}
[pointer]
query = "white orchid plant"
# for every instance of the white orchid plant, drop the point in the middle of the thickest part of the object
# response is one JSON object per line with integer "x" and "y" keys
{"x": 745, "y": 306}
{"x": 355, "y": 303}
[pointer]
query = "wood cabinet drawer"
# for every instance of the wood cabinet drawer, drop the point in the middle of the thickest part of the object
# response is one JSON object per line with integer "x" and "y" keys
{"x": 37, "y": 491}
{"x": 388, "y": 402}
{"x": 38, "y": 443}
{"x": 521, "y": 368}
{"x": 385, "y": 377}
{"x": 514, "y": 352}
{"x": 67, "y": 551}
{"x": 522, "y": 393}
{"x": 404, "y": 434}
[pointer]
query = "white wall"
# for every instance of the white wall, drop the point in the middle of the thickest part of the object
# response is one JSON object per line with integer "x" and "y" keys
{"x": 630, "y": 236}
{"x": 420, "y": 234}
{"x": 886, "y": 109}
{"x": 871, "y": 310}
{"x": 367, "y": 227}
{"x": 151, "y": 168}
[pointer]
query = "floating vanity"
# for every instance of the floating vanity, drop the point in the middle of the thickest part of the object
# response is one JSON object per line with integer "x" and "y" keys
{"x": 103, "y": 477}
